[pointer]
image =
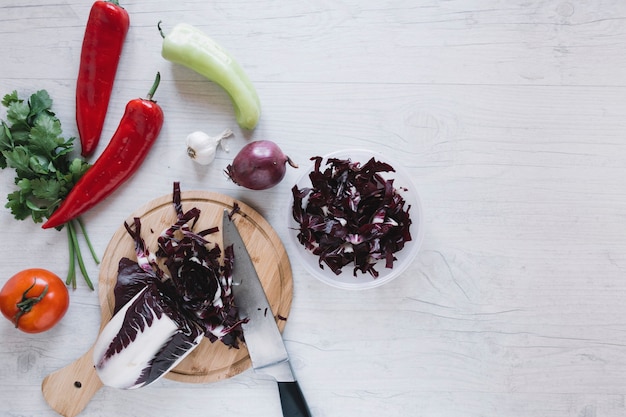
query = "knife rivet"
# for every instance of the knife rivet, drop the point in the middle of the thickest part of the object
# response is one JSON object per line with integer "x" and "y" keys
{"x": 78, "y": 384}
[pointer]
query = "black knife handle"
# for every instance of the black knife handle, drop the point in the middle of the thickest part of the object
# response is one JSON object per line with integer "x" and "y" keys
{"x": 292, "y": 400}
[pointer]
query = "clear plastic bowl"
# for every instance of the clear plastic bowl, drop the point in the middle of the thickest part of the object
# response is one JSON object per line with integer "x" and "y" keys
{"x": 346, "y": 279}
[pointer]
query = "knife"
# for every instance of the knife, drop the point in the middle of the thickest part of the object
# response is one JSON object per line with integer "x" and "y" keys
{"x": 262, "y": 337}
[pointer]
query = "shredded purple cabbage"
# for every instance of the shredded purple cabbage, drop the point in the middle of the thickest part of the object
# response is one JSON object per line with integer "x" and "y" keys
{"x": 195, "y": 281}
{"x": 351, "y": 215}
{"x": 170, "y": 300}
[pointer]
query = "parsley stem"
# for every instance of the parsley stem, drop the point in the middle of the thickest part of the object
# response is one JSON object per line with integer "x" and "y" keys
{"x": 71, "y": 273}
{"x": 79, "y": 256}
{"x": 84, "y": 231}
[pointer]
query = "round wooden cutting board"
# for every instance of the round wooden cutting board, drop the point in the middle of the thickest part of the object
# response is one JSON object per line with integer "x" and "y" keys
{"x": 69, "y": 389}
{"x": 209, "y": 361}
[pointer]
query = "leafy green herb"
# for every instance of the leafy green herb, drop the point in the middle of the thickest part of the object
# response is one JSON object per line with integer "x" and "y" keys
{"x": 31, "y": 143}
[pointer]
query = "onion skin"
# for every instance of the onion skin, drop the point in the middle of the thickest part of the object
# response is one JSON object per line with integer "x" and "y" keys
{"x": 259, "y": 165}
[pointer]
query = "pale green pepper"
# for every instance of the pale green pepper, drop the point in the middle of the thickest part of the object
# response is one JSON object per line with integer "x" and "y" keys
{"x": 190, "y": 47}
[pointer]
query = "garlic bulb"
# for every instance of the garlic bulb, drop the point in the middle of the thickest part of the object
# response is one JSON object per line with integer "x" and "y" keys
{"x": 201, "y": 148}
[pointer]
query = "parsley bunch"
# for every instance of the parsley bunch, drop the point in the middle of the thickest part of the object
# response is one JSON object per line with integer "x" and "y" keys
{"x": 31, "y": 144}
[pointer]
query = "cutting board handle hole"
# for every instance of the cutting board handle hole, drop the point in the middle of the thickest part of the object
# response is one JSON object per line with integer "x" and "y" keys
{"x": 78, "y": 384}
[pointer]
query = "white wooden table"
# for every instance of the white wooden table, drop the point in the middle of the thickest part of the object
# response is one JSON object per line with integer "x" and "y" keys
{"x": 510, "y": 117}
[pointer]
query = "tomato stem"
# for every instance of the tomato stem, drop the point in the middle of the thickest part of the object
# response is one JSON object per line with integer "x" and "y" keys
{"x": 27, "y": 303}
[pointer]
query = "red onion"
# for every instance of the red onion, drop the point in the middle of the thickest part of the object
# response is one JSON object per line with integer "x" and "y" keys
{"x": 259, "y": 165}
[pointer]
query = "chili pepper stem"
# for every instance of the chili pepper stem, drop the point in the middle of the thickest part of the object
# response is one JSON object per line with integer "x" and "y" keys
{"x": 154, "y": 87}
{"x": 27, "y": 303}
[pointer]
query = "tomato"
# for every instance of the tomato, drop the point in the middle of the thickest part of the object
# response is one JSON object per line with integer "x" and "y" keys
{"x": 34, "y": 300}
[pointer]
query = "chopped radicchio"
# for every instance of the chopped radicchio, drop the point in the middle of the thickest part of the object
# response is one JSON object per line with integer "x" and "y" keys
{"x": 162, "y": 314}
{"x": 351, "y": 215}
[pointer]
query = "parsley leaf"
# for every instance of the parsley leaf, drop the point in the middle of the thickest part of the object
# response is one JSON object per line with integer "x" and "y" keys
{"x": 10, "y": 98}
{"x": 19, "y": 210}
{"x": 40, "y": 102}
{"x": 44, "y": 135}
{"x": 49, "y": 190}
{"x": 19, "y": 158}
{"x": 18, "y": 113}
{"x": 31, "y": 143}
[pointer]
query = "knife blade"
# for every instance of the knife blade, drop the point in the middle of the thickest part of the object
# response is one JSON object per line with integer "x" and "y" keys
{"x": 262, "y": 337}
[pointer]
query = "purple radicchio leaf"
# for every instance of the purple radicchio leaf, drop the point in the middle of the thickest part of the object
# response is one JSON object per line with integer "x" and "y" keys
{"x": 131, "y": 279}
{"x": 146, "y": 338}
{"x": 161, "y": 315}
{"x": 351, "y": 215}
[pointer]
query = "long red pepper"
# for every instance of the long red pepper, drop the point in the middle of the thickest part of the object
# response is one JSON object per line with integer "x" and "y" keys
{"x": 129, "y": 146}
{"x": 105, "y": 33}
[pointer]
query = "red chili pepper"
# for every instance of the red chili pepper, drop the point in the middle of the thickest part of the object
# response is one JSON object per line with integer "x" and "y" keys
{"x": 104, "y": 38}
{"x": 129, "y": 146}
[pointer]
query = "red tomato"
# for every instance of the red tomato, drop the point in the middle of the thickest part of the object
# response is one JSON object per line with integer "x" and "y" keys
{"x": 34, "y": 300}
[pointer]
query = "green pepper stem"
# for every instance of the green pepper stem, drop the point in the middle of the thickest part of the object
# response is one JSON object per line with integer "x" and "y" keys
{"x": 154, "y": 87}
{"x": 160, "y": 29}
{"x": 27, "y": 303}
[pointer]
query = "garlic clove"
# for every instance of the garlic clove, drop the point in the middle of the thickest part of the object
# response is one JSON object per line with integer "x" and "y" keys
{"x": 201, "y": 148}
